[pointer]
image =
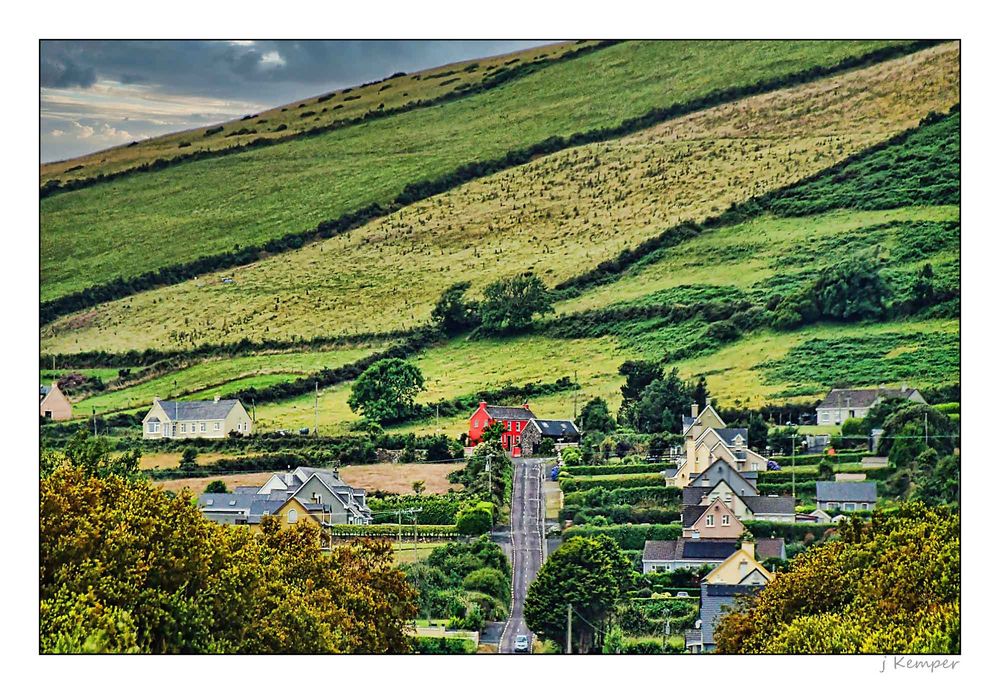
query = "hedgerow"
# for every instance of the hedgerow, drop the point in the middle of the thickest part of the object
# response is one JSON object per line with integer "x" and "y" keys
{"x": 627, "y": 536}
{"x": 609, "y": 482}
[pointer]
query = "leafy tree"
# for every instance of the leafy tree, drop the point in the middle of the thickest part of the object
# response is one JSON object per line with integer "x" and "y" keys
{"x": 510, "y": 304}
{"x": 853, "y": 430}
{"x": 638, "y": 374}
{"x": 216, "y": 487}
{"x": 904, "y": 432}
{"x": 206, "y": 588}
{"x": 386, "y": 391}
{"x": 490, "y": 581}
{"x": 189, "y": 458}
{"x": 614, "y": 642}
{"x": 780, "y": 439}
{"x": 546, "y": 447}
{"x": 888, "y": 586}
{"x": 700, "y": 393}
{"x": 595, "y": 416}
{"x": 440, "y": 447}
{"x": 93, "y": 455}
{"x": 475, "y": 519}
{"x": 853, "y": 290}
{"x": 589, "y": 573}
{"x": 453, "y": 312}
{"x": 492, "y": 433}
{"x": 661, "y": 405}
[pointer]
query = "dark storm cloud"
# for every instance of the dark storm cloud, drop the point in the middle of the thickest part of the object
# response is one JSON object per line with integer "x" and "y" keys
{"x": 239, "y": 70}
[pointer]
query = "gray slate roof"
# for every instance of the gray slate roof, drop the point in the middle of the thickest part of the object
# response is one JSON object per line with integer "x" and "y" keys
{"x": 557, "y": 427}
{"x": 500, "y": 412}
{"x": 713, "y": 598}
{"x": 770, "y": 547}
{"x": 225, "y": 502}
{"x": 179, "y": 410}
{"x": 729, "y": 434}
{"x": 720, "y": 470}
{"x": 770, "y": 504}
{"x": 846, "y": 491}
{"x": 43, "y": 391}
{"x": 862, "y": 397}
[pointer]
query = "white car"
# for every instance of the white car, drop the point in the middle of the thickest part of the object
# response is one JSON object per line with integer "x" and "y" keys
{"x": 521, "y": 643}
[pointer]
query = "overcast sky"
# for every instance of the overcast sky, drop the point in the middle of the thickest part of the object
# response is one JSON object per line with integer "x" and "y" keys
{"x": 96, "y": 94}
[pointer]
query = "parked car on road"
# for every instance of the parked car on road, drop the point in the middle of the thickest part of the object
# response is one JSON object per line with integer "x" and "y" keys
{"x": 521, "y": 643}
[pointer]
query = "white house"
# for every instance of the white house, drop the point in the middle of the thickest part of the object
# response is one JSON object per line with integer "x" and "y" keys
{"x": 195, "y": 419}
{"x": 853, "y": 403}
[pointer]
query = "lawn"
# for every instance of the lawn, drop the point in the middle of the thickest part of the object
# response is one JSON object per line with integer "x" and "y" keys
{"x": 573, "y": 209}
{"x": 117, "y": 228}
{"x": 403, "y": 553}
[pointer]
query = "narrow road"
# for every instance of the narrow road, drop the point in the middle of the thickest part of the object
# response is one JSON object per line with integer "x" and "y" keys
{"x": 527, "y": 520}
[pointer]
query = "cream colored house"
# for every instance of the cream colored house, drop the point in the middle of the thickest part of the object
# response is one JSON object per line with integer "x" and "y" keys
{"x": 53, "y": 404}
{"x": 708, "y": 439}
{"x": 741, "y": 568}
{"x": 195, "y": 419}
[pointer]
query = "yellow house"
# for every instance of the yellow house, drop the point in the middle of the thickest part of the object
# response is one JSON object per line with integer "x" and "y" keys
{"x": 292, "y": 513}
{"x": 53, "y": 404}
{"x": 195, "y": 419}
{"x": 707, "y": 439}
{"x": 741, "y": 568}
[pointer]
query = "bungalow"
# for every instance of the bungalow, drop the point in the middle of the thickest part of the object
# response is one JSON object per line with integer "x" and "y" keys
{"x": 195, "y": 419}
{"x": 846, "y": 496}
{"x": 853, "y": 403}
{"x": 669, "y": 555}
{"x": 53, "y": 404}
{"x": 557, "y": 430}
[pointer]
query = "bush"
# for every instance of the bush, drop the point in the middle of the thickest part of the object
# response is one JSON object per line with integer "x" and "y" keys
{"x": 609, "y": 482}
{"x": 489, "y": 581}
{"x": 475, "y": 519}
{"x": 628, "y": 536}
{"x": 430, "y": 645}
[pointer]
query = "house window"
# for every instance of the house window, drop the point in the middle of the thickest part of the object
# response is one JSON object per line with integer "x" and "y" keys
{"x": 518, "y": 427}
{"x": 825, "y": 417}
{"x": 725, "y": 520}
{"x": 710, "y": 520}
{"x": 864, "y": 506}
{"x": 517, "y": 439}
{"x": 203, "y": 426}
{"x": 475, "y": 423}
{"x": 293, "y": 516}
{"x": 753, "y": 466}
{"x": 218, "y": 425}
{"x": 849, "y": 506}
{"x": 510, "y": 426}
{"x": 154, "y": 427}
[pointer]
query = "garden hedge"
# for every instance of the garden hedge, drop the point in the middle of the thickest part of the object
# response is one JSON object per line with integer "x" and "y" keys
{"x": 627, "y": 536}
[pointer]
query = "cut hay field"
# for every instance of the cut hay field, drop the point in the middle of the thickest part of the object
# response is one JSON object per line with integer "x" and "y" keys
{"x": 113, "y": 229}
{"x": 386, "y": 477}
{"x": 558, "y": 215}
{"x": 216, "y": 377}
{"x": 299, "y": 116}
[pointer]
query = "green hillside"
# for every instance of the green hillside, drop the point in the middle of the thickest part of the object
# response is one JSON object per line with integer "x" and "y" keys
{"x": 566, "y": 213}
{"x": 121, "y": 228}
{"x": 844, "y": 179}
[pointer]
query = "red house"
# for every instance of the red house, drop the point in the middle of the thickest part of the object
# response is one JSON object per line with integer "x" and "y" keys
{"x": 514, "y": 419}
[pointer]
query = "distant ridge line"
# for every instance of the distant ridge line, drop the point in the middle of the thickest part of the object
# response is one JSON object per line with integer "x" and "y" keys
{"x": 54, "y": 186}
{"x": 121, "y": 287}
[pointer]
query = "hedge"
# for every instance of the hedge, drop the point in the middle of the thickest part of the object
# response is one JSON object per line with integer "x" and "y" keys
{"x": 413, "y": 192}
{"x": 443, "y": 645}
{"x": 576, "y": 484}
{"x": 627, "y": 536}
{"x": 435, "y": 510}
{"x": 621, "y": 514}
{"x": 620, "y": 469}
{"x": 817, "y": 458}
{"x": 612, "y": 497}
{"x": 391, "y": 531}
{"x": 791, "y": 532}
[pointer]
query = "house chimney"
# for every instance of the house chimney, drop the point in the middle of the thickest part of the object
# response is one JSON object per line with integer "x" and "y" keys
{"x": 155, "y": 399}
{"x": 748, "y": 547}
{"x": 694, "y": 409}
{"x": 526, "y": 405}
{"x": 482, "y": 404}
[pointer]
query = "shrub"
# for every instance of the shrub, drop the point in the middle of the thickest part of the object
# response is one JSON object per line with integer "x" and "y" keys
{"x": 489, "y": 581}
{"x": 430, "y": 645}
{"x": 476, "y": 519}
{"x": 628, "y": 536}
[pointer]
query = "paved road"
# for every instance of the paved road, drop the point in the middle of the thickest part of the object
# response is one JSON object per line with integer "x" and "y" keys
{"x": 527, "y": 518}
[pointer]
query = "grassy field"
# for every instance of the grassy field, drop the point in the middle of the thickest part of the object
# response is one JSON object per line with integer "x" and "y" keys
{"x": 206, "y": 379}
{"x": 196, "y": 485}
{"x": 322, "y": 110}
{"x": 117, "y": 229}
{"x": 404, "y": 553}
{"x": 561, "y": 214}
{"x": 460, "y": 367}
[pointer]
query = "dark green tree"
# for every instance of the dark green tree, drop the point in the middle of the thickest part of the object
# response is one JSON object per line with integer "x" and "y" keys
{"x": 216, "y": 487}
{"x": 700, "y": 393}
{"x": 189, "y": 458}
{"x": 595, "y": 417}
{"x": 510, "y": 304}
{"x": 453, "y": 312}
{"x": 386, "y": 390}
{"x": 661, "y": 405}
{"x": 591, "y": 574}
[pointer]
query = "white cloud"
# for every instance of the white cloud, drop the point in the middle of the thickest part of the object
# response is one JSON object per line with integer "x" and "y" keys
{"x": 271, "y": 59}
{"x": 57, "y": 133}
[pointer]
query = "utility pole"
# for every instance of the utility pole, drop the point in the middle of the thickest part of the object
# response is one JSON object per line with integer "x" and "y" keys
{"x": 793, "y": 437}
{"x": 93, "y": 411}
{"x": 926, "y": 437}
{"x": 575, "y": 382}
{"x": 569, "y": 629}
{"x": 489, "y": 475}
{"x": 316, "y": 411}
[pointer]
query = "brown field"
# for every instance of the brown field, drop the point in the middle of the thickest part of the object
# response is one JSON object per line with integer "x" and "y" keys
{"x": 399, "y": 479}
{"x": 165, "y": 461}
{"x": 387, "y": 477}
